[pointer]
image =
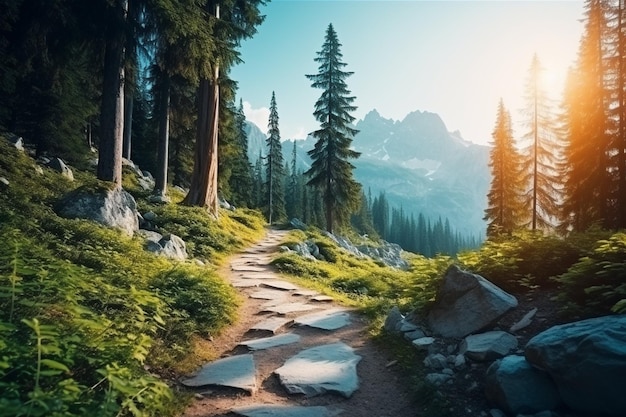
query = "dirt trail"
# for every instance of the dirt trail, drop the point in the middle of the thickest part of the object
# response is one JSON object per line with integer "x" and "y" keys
{"x": 380, "y": 392}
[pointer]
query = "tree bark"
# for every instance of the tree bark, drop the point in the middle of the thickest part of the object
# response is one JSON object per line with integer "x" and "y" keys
{"x": 160, "y": 186}
{"x": 129, "y": 102}
{"x": 112, "y": 111}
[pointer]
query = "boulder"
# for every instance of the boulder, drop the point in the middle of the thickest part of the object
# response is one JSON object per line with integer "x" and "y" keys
{"x": 587, "y": 361}
{"x": 59, "y": 166}
{"x": 436, "y": 361}
{"x": 297, "y": 224}
{"x": 488, "y": 346}
{"x": 112, "y": 208}
{"x": 393, "y": 320}
{"x": 173, "y": 247}
{"x": 467, "y": 303}
{"x": 514, "y": 386}
{"x": 16, "y": 141}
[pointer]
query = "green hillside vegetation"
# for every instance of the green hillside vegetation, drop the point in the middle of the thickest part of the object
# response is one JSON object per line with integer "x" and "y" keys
{"x": 92, "y": 324}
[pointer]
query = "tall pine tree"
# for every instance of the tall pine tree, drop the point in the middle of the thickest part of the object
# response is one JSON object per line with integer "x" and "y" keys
{"x": 504, "y": 207}
{"x": 541, "y": 154}
{"x": 274, "y": 167}
{"x": 331, "y": 171}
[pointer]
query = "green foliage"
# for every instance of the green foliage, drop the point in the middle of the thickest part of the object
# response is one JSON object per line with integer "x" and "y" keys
{"x": 371, "y": 286}
{"x": 526, "y": 259}
{"x": 596, "y": 284}
{"x": 85, "y": 311}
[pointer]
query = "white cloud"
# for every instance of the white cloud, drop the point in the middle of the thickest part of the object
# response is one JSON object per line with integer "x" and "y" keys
{"x": 258, "y": 116}
{"x": 300, "y": 133}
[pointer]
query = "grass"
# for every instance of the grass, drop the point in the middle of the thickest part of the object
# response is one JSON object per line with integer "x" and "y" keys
{"x": 90, "y": 322}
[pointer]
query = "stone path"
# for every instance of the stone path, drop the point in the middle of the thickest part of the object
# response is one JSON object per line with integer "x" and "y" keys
{"x": 294, "y": 352}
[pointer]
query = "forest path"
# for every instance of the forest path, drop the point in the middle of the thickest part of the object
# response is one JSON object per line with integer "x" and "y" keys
{"x": 274, "y": 307}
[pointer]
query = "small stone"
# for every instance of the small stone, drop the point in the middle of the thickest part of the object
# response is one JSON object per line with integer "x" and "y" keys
{"x": 423, "y": 342}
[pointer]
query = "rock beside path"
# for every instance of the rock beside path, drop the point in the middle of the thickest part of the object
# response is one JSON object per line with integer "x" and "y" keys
{"x": 467, "y": 303}
{"x": 587, "y": 361}
{"x": 236, "y": 372}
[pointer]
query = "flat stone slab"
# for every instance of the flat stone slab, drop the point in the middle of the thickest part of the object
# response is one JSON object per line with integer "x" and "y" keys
{"x": 245, "y": 283}
{"x": 305, "y": 293}
{"x": 289, "y": 308}
{"x": 321, "y": 369}
{"x": 235, "y": 371}
{"x": 279, "y": 285}
{"x": 270, "y": 342}
{"x": 322, "y": 298}
{"x": 265, "y": 410}
{"x": 332, "y": 319}
{"x": 268, "y": 294}
{"x": 258, "y": 275}
{"x": 247, "y": 268}
{"x": 272, "y": 324}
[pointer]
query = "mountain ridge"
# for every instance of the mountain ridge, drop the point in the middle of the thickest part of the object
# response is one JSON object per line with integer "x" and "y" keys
{"x": 416, "y": 162}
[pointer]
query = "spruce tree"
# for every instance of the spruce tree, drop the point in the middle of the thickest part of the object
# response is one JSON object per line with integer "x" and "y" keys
{"x": 331, "y": 171}
{"x": 541, "y": 155}
{"x": 586, "y": 193}
{"x": 504, "y": 207}
{"x": 274, "y": 167}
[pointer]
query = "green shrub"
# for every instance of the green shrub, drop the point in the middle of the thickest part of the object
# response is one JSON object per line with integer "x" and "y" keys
{"x": 596, "y": 284}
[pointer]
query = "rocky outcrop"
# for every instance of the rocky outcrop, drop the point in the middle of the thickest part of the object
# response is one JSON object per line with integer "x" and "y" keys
{"x": 467, "y": 303}
{"x": 587, "y": 361}
{"x": 516, "y": 387}
{"x": 113, "y": 208}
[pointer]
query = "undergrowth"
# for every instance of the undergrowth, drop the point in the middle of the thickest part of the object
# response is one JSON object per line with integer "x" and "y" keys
{"x": 90, "y": 322}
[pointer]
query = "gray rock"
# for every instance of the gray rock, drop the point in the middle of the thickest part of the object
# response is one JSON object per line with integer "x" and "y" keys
{"x": 272, "y": 324}
{"x": 235, "y": 371}
{"x": 514, "y": 386}
{"x": 415, "y": 334}
{"x": 459, "y": 361}
{"x": 467, "y": 303}
{"x": 265, "y": 410}
{"x": 112, "y": 208}
{"x": 488, "y": 346}
{"x": 173, "y": 247}
{"x": 524, "y": 321}
{"x": 150, "y": 216}
{"x": 59, "y": 166}
{"x": 407, "y": 326}
{"x": 16, "y": 141}
{"x": 587, "y": 361}
{"x": 435, "y": 361}
{"x": 270, "y": 342}
{"x": 321, "y": 369}
{"x": 280, "y": 285}
{"x": 297, "y": 224}
{"x": 438, "y": 378}
{"x": 332, "y": 319}
{"x": 393, "y": 320}
{"x": 4, "y": 181}
{"x": 159, "y": 199}
{"x": 423, "y": 343}
{"x": 286, "y": 308}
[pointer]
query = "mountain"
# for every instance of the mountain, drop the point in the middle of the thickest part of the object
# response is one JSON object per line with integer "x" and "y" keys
{"x": 419, "y": 165}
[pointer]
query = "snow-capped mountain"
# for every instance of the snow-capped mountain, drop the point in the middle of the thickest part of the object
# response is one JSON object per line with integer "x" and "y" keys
{"x": 418, "y": 164}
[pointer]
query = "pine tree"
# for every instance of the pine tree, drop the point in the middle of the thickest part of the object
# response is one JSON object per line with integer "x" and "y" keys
{"x": 587, "y": 130}
{"x": 331, "y": 170}
{"x": 274, "y": 167}
{"x": 541, "y": 155}
{"x": 241, "y": 177}
{"x": 504, "y": 207}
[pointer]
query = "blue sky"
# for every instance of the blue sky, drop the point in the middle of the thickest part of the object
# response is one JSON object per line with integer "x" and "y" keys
{"x": 454, "y": 58}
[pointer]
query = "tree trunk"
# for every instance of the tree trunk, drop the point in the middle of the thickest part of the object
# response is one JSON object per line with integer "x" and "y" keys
{"x": 112, "y": 111}
{"x": 203, "y": 189}
{"x": 129, "y": 102}
{"x": 160, "y": 186}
